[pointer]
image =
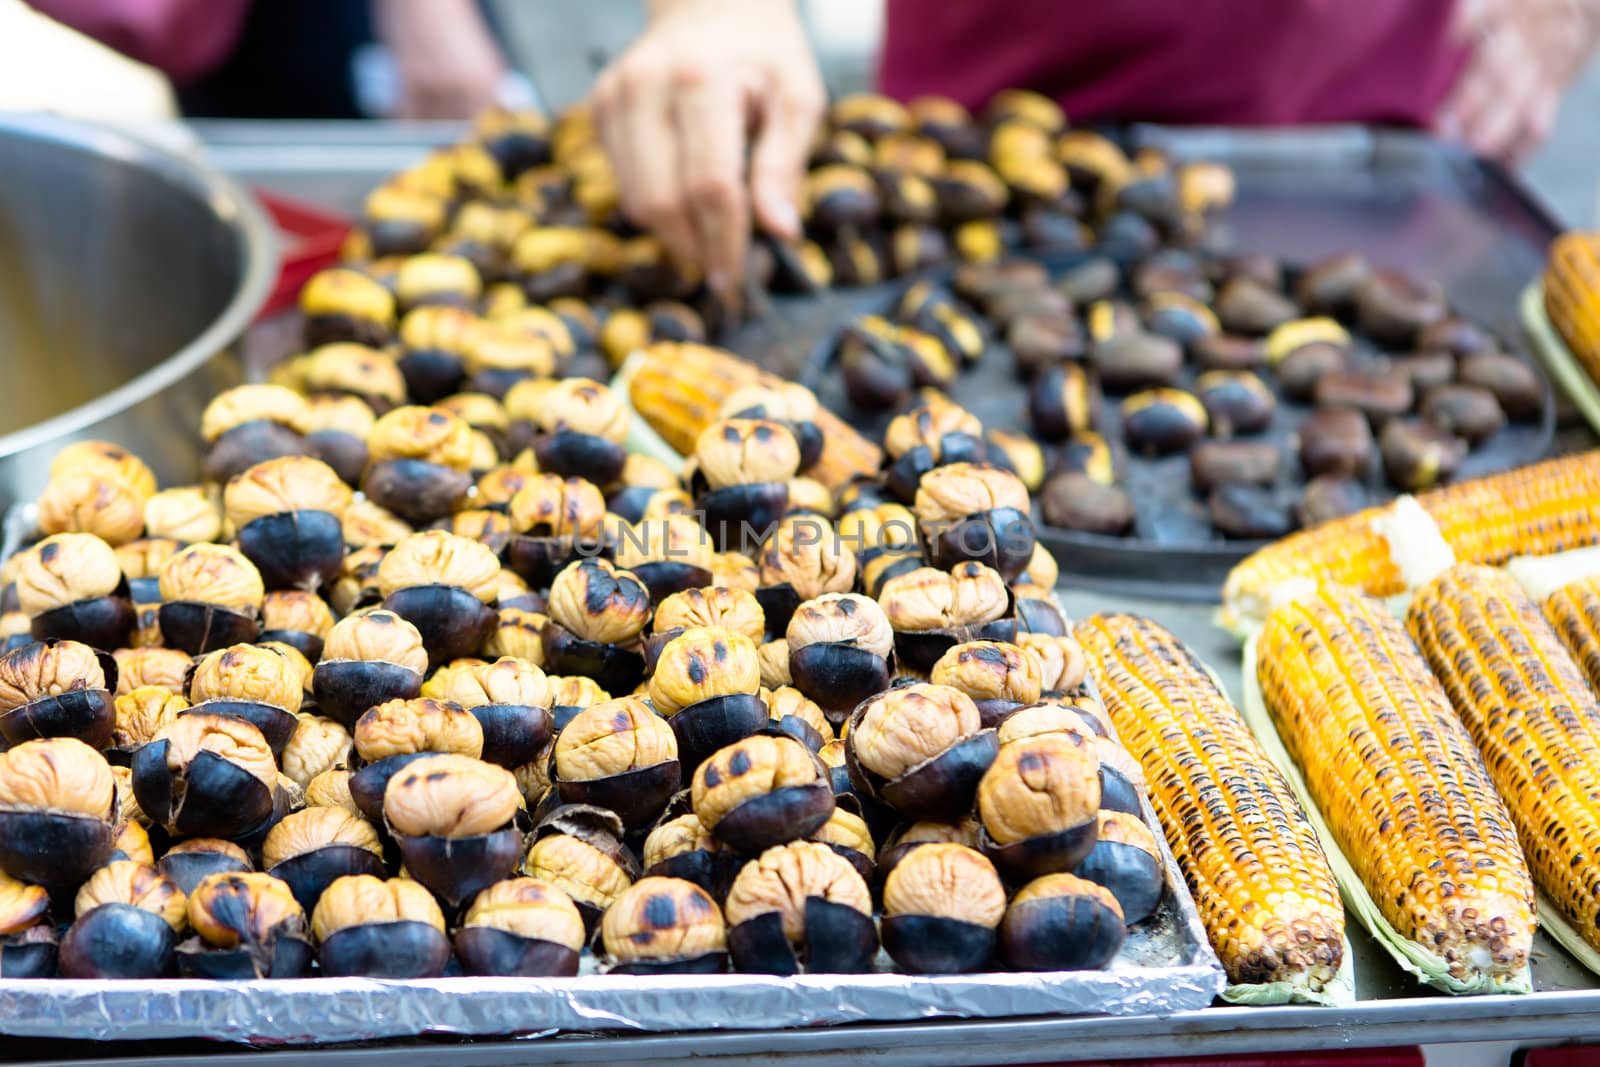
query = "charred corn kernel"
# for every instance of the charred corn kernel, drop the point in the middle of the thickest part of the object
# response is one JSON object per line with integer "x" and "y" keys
{"x": 1251, "y": 857}
{"x": 1572, "y": 296}
{"x": 679, "y": 389}
{"x": 1397, "y": 778}
{"x": 1536, "y": 722}
{"x": 1532, "y": 511}
{"x": 1574, "y": 611}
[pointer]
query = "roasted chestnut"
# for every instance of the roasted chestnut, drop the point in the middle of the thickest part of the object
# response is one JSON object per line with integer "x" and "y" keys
{"x": 1087, "y": 453}
{"x": 1328, "y": 286}
{"x": 510, "y": 699}
{"x": 1038, "y": 611}
{"x": 1514, "y": 383}
{"x": 1063, "y": 401}
{"x": 774, "y": 659}
{"x": 705, "y": 683}
{"x": 931, "y": 610}
{"x": 1062, "y": 922}
{"x": 803, "y": 559}
{"x": 369, "y": 658}
{"x": 1393, "y": 308}
{"x": 254, "y": 683}
{"x": 1037, "y": 803}
{"x": 919, "y": 748}
{"x": 1215, "y": 463}
{"x": 524, "y": 927}
{"x": 578, "y": 849}
{"x": 597, "y": 612}
{"x": 1427, "y": 370}
{"x": 287, "y": 513}
{"x": 434, "y": 342}
{"x": 1419, "y": 455}
{"x": 1237, "y": 402}
{"x": 1081, "y": 721}
{"x": 421, "y": 461}
{"x": 388, "y": 736}
{"x": 1246, "y": 306}
{"x": 367, "y": 927}
{"x": 1380, "y": 395}
{"x": 84, "y": 501}
{"x": 1161, "y": 421}
{"x": 980, "y": 514}
{"x": 251, "y": 424}
{"x": 206, "y": 775}
{"x": 247, "y": 926}
{"x": 210, "y": 597}
{"x": 620, "y": 755}
{"x": 1336, "y": 441}
{"x": 941, "y": 904}
{"x": 792, "y": 712}
{"x": 761, "y": 791}
{"x": 556, "y": 520}
{"x": 308, "y": 849}
{"x": 337, "y": 427}
{"x": 190, "y": 861}
{"x": 800, "y": 907}
{"x": 1250, "y": 512}
{"x": 443, "y": 585}
{"x": 57, "y": 689}
{"x": 341, "y": 304}
{"x": 665, "y": 926}
{"x": 1127, "y": 861}
{"x": 58, "y": 812}
{"x": 746, "y": 465}
{"x": 837, "y": 196}
{"x": 679, "y": 846}
{"x": 73, "y": 588}
{"x": 297, "y": 618}
{"x": 1075, "y": 500}
{"x": 1062, "y": 662}
{"x": 351, "y": 370}
{"x": 1328, "y": 497}
{"x": 570, "y": 695}
{"x": 668, "y": 554}
{"x": 720, "y": 607}
{"x": 1227, "y": 352}
{"x": 584, "y": 425}
{"x": 840, "y": 651}
{"x": 1303, "y": 352}
{"x": 1464, "y": 410}
{"x": 128, "y": 918}
{"x": 27, "y": 939}
{"x": 882, "y": 363}
{"x": 999, "y": 677}
{"x": 454, "y": 819}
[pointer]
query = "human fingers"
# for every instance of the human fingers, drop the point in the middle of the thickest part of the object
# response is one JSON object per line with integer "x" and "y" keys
{"x": 709, "y": 115}
{"x": 633, "y": 117}
{"x": 787, "y": 120}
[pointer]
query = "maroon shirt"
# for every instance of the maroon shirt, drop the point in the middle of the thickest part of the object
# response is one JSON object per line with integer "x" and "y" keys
{"x": 1244, "y": 62}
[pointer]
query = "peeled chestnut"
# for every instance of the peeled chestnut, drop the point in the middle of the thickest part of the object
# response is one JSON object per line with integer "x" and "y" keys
{"x": 210, "y": 599}
{"x": 251, "y": 424}
{"x": 578, "y": 849}
{"x": 1037, "y": 803}
{"x": 369, "y": 658}
{"x": 941, "y": 905}
{"x": 523, "y": 927}
{"x": 972, "y": 513}
{"x": 27, "y": 939}
{"x": 679, "y": 846}
{"x": 73, "y": 588}
{"x": 246, "y": 926}
{"x": 510, "y": 699}
{"x": 367, "y": 927}
{"x": 1062, "y": 662}
{"x": 392, "y": 735}
{"x": 128, "y": 917}
{"x": 998, "y": 676}
{"x": 308, "y": 849}
{"x": 206, "y": 775}
{"x": 620, "y": 755}
{"x": 762, "y": 791}
{"x": 1419, "y": 455}
{"x": 800, "y": 907}
{"x": 57, "y": 689}
{"x": 665, "y": 926}
{"x": 919, "y": 748}
{"x": 705, "y": 682}
{"x": 803, "y": 559}
{"x": 443, "y": 585}
{"x": 931, "y": 610}
{"x": 1393, "y": 308}
{"x": 1161, "y": 421}
{"x": 791, "y": 712}
{"x": 421, "y": 460}
{"x": 583, "y": 426}
{"x": 453, "y": 817}
{"x": 253, "y": 683}
{"x": 668, "y": 554}
{"x": 1062, "y": 922}
{"x": 840, "y": 650}
{"x": 58, "y": 811}
{"x": 342, "y": 304}
{"x": 1127, "y": 861}
{"x": 596, "y": 614}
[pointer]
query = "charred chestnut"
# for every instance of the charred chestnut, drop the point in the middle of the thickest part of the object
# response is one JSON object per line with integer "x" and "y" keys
{"x": 578, "y": 849}
{"x": 206, "y": 775}
{"x": 1037, "y": 803}
{"x": 1088, "y": 453}
{"x": 679, "y": 846}
{"x": 341, "y": 304}
{"x": 800, "y": 907}
{"x": 371, "y": 928}
{"x": 1380, "y": 395}
{"x": 1419, "y": 455}
{"x": 720, "y": 607}
{"x": 72, "y": 587}
{"x": 705, "y": 683}
{"x": 1063, "y": 401}
{"x": 919, "y": 748}
{"x": 1161, "y": 421}
{"x": 620, "y": 755}
{"x": 597, "y": 612}
{"x": 1514, "y": 383}
{"x": 1216, "y": 463}
{"x": 247, "y": 926}
{"x": 882, "y": 363}
{"x": 1393, "y": 308}
{"x": 999, "y": 677}
{"x": 665, "y": 926}
{"x": 1305, "y": 351}
{"x": 931, "y": 610}
{"x": 58, "y": 811}
{"x": 941, "y": 905}
{"x": 454, "y": 819}
{"x": 1075, "y": 500}
{"x": 190, "y": 861}
{"x": 1250, "y": 512}
{"x": 840, "y": 651}
{"x": 351, "y": 370}
{"x": 1062, "y": 922}
{"x": 128, "y": 918}
{"x": 668, "y": 554}
{"x": 523, "y": 927}
{"x": 210, "y": 599}
{"x": 297, "y": 618}
{"x": 1127, "y": 861}
{"x": 1246, "y": 306}
{"x": 762, "y": 791}
{"x": 1237, "y": 402}
{"x": 57, "y": 689}
{"x": 979, "y": 514}
{"x": 746, "y": 465}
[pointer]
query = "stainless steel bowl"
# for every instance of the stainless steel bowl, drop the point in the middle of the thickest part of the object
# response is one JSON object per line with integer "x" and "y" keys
{"x": 125, "y": 272}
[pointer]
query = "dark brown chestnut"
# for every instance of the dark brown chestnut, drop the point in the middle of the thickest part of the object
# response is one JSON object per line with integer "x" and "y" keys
{"x": 1214, "y": 463}
{"x": 1513, "y": 381}
{"x": 1134, "y": 359}
{"x": 705, "y": 682}
{"x": 1427, "y": 370}
{"x": 1380, "y": 395}
{"x": 1062, "y": 922}
{"x": 58, "y": 811}
{"x": 206, "y": 776}
{"x": 1087, "y": 453}
{"x": 128, "y": 915}
{"x": 1161, "y": 421}
{"x": 972, "y": 513}
{"x": 1328, "y": 497}
{"x": 679, "y": 846}
{"x": 1238, "y": 402}
{"x": 342, "y": 304}
{"x": 1467, "y": 411}
{"x": 1074, "y": 500}
{"x": 1394, "y": 308}
{"x": 800, "y": 907}
{"x": 1336, "y": 441}
{"x": 1229, "y": 352}
{"x": 941, "y": 905}
{"x": 250, "y": 424}
{"x": 1328, "y": 286}
{"x": 839, "y": 195}
{"x": 1246, "y": 306}
{"x": 443, "y": 585}
{"x": 57, "y": 689}
{"x": 1179, "y": 317}
{"x": 371, "y": 928}
{"x": 1419, "y": 455}
{"x": 1250, "y": 512}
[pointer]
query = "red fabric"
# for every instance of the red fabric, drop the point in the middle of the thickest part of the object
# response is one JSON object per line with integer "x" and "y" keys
{"x": 185, "y": 39}
{"x": 1245, "y": 62}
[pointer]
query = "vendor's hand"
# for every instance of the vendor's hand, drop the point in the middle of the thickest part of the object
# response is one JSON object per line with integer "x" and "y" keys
{"x": 677, "y": 111}
{"x": 1524, "y": 55}
{"x": 448, "y": 64}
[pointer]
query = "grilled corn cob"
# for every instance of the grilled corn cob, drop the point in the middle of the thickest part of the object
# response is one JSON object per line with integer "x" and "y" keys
{"x": 1572, "y": 296}
{"x": 1574, "y": 611}
{"x": 1532, "y": 511}
{"x": 1252, "y": 860}
{"x": 1395, "y": 774}
{"x": 679, "y": 390}
{"x": 1537, "y": 724}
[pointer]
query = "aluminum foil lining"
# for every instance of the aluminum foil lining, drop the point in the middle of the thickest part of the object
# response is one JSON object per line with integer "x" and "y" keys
{"x": 1165, "y": 966}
